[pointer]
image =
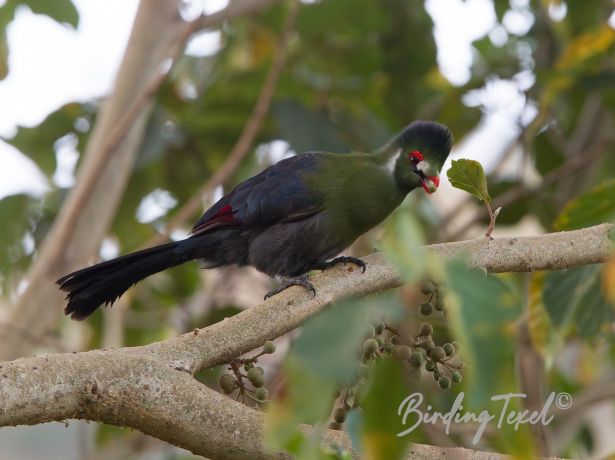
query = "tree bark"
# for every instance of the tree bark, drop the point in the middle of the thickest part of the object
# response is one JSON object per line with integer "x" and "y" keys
{"x": 151, "y": 388}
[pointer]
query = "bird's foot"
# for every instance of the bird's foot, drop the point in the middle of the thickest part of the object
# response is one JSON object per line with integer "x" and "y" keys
{"x": 341, "y": 260}
{"x": 286, "y": 283}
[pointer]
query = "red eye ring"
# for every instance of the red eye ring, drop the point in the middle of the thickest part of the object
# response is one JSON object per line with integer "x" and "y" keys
{"x": 416, "y": 156}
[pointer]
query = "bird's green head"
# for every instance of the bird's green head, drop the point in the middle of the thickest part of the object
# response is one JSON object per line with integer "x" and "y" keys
{"x": 419, "y": 152}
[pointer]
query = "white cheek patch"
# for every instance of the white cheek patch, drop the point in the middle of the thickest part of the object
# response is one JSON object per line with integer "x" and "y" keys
{"x": 423, "y": 165}
{"x": 390, "y": 166}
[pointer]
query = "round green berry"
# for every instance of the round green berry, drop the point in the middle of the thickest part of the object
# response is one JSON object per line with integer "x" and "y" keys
{"x": 402, "y": 352}
{"x": 427, "y": 344}
{"x": 444, "y": 382}
{"x": 416, "y": 359}
{"x": 370, "y": 346}
{"x": 380, "y": 341}
{"x": 339, "y": 415}
{"x": 395, "y": 340}
{"x": 227, "y": 383}
{"x": 456, "y": 377}
{"x": 261, "y": 394}
{"x": 426, "y": 309}
{"x": 437, "y": 353}
{"x": 430, "y": 366}
{"x": 379, "y": 328}
{"x": 256, "y": 377}
{"x": 268, "y": 347}
{"x": 449, "y": 349}
{"x": 426, "y": 329}
{"x": 427, "y": 287}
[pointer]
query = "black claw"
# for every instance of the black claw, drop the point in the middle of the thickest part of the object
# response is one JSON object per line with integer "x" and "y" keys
{"x": 292, "y": 282}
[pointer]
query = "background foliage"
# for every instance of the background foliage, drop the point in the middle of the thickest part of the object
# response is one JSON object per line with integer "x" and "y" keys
{"x": 357, "y": 71}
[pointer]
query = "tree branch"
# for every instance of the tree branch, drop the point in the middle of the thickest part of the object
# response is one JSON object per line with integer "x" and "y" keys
{"x": 150, "y": 388}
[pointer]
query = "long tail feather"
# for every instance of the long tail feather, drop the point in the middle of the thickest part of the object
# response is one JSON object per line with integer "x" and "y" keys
{"x": 103, "y": 283}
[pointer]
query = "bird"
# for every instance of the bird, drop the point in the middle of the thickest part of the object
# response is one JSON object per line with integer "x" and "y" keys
{"x": 292, "y": 218}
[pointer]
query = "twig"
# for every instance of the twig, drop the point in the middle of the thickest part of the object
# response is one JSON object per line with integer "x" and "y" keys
{"x": 574, "y": 166}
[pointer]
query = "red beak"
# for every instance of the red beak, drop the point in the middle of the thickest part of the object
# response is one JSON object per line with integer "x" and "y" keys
{"x": 430, "y": 184}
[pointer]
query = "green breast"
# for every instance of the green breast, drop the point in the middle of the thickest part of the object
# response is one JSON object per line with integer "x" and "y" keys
{"x": 358, "y": 192}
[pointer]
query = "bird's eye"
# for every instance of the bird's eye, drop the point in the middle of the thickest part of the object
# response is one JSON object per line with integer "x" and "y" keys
{"x": 416, "y": 156}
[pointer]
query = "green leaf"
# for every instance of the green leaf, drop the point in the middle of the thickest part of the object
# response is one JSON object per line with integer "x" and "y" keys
{"x": 62, "y": 11}
{"x": 385, "y": 391}
{"x": 7, "y": 13}
{"x": 403, "y": 245}
{"x": 481, "y": 314}
{"x": 468, "y": 175}
{"x": 575, "y": 300}
{"x": 591, "y": 208}
{"x": 14, "y": 213}
{"x": 320, "y": 338}
{"x": 38, "y": 142}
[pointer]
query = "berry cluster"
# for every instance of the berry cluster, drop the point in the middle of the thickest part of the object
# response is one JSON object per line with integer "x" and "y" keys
{"x": 436, "y": 359}
{"x": 436, "y": 299}
{"x": 230, "y": 382}
{"x": 418, "y": 352}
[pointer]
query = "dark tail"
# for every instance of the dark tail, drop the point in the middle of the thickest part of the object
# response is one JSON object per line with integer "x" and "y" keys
{"x": 103, "y": 283}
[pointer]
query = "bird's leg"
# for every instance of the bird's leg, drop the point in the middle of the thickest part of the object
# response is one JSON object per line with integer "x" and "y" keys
{"x": 288, "y": 282}
{"x": 339, "y": 260}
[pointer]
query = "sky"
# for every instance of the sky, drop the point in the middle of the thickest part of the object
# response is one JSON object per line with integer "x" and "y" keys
{"x": 81, "y": 64}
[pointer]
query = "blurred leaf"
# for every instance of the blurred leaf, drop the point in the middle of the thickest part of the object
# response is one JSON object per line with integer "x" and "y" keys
{"x": 468, "y": 175}
{"x": 384, "y": 393}
{"x": 38, "y": 142}
{"x": 575, "y": 301}
{"x": 14, "y": 212}
{"x": 336, "y": 334}
{"x": 62, "y": 11}
{"x": 577, "y": 60}
{"x": 591, "y": 208}
{"x": 307, "y": 130}
{"x": 538, "y": 322}
{"x": 403, "y": 245}
{"x": 547, "y": 156}
{"x": 307, "y": 398}
{"x": 352, "y": 426}
{"x": 323, "y": 358}
{"x": 501, "y": 7}
{"x": 482, "y": 321}
{"x": 608, "y": 281}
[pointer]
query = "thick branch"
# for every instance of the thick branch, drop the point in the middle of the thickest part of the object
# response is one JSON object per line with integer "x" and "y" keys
{"x": 284, "y": 312}
{"x": 135, "y": 390}
{"x": 151, "y": 389}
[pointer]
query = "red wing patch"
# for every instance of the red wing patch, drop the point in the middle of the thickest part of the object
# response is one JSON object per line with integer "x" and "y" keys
{"x": 222, "y": 218}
